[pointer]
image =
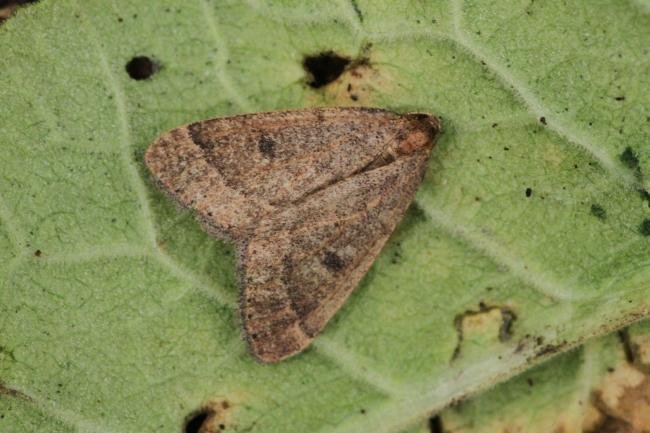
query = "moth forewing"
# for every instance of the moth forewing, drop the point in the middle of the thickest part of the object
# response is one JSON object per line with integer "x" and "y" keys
{"x": 308, "y": 196}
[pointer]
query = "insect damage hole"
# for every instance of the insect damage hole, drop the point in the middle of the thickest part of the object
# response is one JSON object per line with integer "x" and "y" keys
{"x": 141, "y": 67}
{"x": 213, "y": 417}
{"x": 324, "y": 68}
{"x": 435, "y": 424}
{"x": 196, "y": 420}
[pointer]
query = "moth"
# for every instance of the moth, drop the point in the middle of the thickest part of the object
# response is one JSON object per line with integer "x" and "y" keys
{"x": 309, "y": 197}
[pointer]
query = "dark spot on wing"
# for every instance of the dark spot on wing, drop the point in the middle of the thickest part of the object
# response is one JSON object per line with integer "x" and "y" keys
{"x": 333, "y": 262}
{"x": 196, "y": 133}
{"x": 267, "y": 146}
{"x": 141, "y": 67}
{"x": 324, "y": 68}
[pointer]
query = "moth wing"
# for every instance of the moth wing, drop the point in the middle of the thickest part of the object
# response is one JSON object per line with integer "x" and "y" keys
{"x": 235, "y": 170}
{"x": 300, "y": 266}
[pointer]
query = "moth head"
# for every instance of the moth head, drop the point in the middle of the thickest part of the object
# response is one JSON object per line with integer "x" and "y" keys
{"x": 420, "y": 133}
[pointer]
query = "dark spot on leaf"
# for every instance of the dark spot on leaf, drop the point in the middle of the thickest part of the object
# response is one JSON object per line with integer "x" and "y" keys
{"x": 14, "y": 393}
{"x": 645, "y": 195}
{"x": 550, "y": 349}
{"x": 543, "y": 120}
{"x": 324, "y": 68}
{"x": 598, "y": 211}
{"x": 357, "y": 10}
{"x": 267, "y": 146}
{"x": 620, "y": 98}
{"x": 333, "y": 262}
{"x": 630, "y": 158}
{"x": 644, "y": 228}
{"x": 508, "y": 318}
{"x": 530, "y": 382}
{"x": 626, "y": 342}
{"x": 362, "y": 411}
{"x": 141, "y": 67}
{"x": 435, "y": 424}
{"x": 37, "y": 253}
{"x": 195, "y": 420}
{"x": 529, "y": 192}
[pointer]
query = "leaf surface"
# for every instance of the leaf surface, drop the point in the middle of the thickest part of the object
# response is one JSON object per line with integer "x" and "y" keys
{"x": 528, "y": 236}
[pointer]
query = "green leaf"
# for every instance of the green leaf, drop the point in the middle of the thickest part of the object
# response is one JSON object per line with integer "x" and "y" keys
{"x": 528, "y": 236}
{"x": 602, "y": 386}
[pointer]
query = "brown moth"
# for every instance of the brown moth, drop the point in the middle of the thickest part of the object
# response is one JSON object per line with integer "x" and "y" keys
{"x": 309, "y": 198}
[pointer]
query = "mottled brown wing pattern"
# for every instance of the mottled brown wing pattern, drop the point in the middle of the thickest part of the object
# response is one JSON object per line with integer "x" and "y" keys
{"x": 308, "y": 196}
{"x": 301, "y": 266}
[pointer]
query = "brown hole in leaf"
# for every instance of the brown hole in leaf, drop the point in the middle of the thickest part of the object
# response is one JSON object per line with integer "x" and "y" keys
{"x": 435, "y": 424}
{"x": 621, "y": 401}
{"x": 353, "y": 83}
{"x": 141, "y": 67}
{"x": 324, "y": 68}
{"x": 212, "y": 417}
{"x": 481, "y": 318}
{"x": 196, "y": 420}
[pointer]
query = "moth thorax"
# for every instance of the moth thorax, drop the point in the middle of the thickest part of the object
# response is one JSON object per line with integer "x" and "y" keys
{"x": 414, "y": 141}
{"x": 420, "y": 133}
